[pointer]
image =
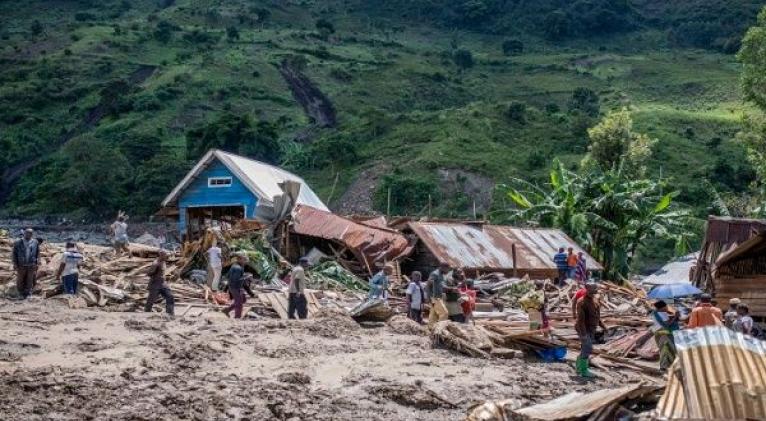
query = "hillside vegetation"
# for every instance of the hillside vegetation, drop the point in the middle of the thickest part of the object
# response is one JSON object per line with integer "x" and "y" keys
{"x": 105, "y": 104}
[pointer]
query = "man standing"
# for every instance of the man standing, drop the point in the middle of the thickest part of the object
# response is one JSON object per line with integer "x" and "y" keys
{"x": 297, "y": 291}
{"x": 436, "y": 284}
{"x": 572, "y": 261}
{"x": 588, "y": 320}
{"x": 157, "y": 286}
{"x": 581, "y": 274}
{"x": 26, "y": 255}
{"x": 236, "y": 285}
{"x": 415, "y": 297}
{"x": 214, "y": 266}
{"x": 69, "y": 269}
{"x": 120, "y": 235}
{"x": 379, "y": 283}
{"x": 731, "y": 315}
{"x": 663, "y": 326}
{"x": 705, "y": 314}
{"x": 560, "y": 259}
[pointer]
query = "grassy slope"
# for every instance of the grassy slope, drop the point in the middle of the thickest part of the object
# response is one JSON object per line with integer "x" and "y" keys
{"x": 438, "y": 116}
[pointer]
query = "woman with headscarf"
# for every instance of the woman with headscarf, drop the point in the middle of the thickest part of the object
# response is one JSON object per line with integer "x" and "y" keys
{"x": 663, "y": 326}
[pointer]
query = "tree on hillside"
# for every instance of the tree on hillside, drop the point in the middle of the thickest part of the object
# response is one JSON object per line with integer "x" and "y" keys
{"x": 754, "y": 87}
{"x": 36, "y": 28}
{"x": 512, "y": 47}
{"x": 232, "y": 33}
{"x": 585, "y": 100}
{"x": 463, "y": 59}
{"x": 556, "y": 25}
{"x": 325, "y": 27}
{"x": 614, "y": 144}
{"x": 237, "y": 134}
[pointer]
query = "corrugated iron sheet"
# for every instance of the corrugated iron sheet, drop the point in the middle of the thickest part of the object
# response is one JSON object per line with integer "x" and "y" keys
{"x": 490, "y": 247}
{"x": 369, "y": 244}
{"x": 576, "y": 405}
{"x": 720, "y": 374}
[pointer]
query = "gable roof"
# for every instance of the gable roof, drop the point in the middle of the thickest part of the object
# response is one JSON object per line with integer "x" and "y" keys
{"x": 261, "y": 179}
{"x": 490, "y": 247}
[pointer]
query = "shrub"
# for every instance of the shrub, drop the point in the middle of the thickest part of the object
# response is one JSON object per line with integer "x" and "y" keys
{"x": 463, "y": 59}
{"x": 517, "y": 112}
{"x": 512, "y": 47}
{"x": 586, "y": 101}
{"x": 409, "y": 194}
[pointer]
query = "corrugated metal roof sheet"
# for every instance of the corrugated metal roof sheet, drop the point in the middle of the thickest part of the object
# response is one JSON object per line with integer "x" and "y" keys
{"x": 576, "y": 405}
{"x": 674, "y": 272}
{"x": 261, "y": 178}
{"x": 488, "y": 247}
{"x": 369, "y": 244}
{"x": 720, "y": 374}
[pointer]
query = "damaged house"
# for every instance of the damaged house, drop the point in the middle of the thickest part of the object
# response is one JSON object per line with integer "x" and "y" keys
{"x": 741, "y": 272}
{"x": 481, "y": 248}
{"x": 225, "y": 188}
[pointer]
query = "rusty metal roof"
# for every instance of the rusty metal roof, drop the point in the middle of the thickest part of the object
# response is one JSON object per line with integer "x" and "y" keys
{"x": 600, "y": 404}
{"x": 490, "y": 247}
{"x": 368, "y": 244}
{"x": 719, "y": 374}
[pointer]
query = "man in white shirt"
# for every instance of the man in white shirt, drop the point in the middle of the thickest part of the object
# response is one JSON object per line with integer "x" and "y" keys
{"x": 69, "y": 269}
{"x": 120, "y": 236}
{"x": 296, "y": 292}
{"x": 214, "y": 266}
{"x": 416, "y": 297}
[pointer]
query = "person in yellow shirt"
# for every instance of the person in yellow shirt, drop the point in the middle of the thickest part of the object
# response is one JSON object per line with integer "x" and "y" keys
{"x": 705, "y": 314}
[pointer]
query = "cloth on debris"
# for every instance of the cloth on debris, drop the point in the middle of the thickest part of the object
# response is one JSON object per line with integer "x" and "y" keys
{"x": 378, "y": 286}
{"x": 705, "y": 315}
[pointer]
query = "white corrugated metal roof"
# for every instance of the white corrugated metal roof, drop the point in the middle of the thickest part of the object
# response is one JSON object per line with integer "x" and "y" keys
{"x": 262, "y": 179}
{"x": 675, "y": 272}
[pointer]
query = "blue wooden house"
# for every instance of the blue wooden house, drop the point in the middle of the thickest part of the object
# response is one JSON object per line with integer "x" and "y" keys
{"x": 225, "y": 187}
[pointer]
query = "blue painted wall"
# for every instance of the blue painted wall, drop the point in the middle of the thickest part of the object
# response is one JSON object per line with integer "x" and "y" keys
{"x": 198, "y": 194}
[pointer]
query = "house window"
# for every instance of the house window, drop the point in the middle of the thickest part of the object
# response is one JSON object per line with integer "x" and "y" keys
{"x": 219, "y": 182}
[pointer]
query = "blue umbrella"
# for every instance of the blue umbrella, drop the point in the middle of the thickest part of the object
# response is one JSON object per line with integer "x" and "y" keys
{"x": 673, "y": 291}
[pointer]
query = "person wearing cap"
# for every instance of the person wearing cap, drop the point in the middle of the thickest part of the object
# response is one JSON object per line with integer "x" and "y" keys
{"x": 379, "y": 283}
{"x": 705, "y": 314}
{"x": 731, "y": 315}
{"x": 744, "y": 323}
{"x": 416, "y": 295}
{"x": 26, "y": 256}
{"x": 157, "y": 286}
{"x": 69, "y": 269}
{"x": 588, "y": 319}
{"x": 663, "y": 326}
{"x": 297, "y": 304}
{"x": 236, "y": 285}
{"x": 436, "y": 285}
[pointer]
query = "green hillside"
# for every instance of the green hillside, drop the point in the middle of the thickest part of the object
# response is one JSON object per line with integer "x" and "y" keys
{"x": 103, "y": 104}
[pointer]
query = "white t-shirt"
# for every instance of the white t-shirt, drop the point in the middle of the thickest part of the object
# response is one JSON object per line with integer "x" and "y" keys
{"x": 214, "y": 256}
{"x": 120, "y": 231}
{"x": 71, "y": 259}
{"x": 416, "y": 295}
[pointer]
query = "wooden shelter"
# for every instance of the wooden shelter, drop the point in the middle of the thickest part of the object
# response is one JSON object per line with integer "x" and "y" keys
{"x": 741, "y": 273}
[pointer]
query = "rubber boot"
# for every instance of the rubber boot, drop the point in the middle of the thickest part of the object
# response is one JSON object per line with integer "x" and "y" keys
{"x": 585, "y": 371}
{"x": 579, "y": 366}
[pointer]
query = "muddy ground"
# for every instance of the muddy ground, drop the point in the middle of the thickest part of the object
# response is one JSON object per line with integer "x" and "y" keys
{"x": 58, "y": 363}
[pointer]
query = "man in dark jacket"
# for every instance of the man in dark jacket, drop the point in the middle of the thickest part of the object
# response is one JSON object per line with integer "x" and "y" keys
{"x": 157, "y": 285}
{"x": 588, "y": 319}
{"x": 236, "y": 286}
{"x": 26, "y": 255}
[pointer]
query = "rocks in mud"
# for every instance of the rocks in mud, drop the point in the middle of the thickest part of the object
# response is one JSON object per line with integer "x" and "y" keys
{"x": 294, "y": 377}
{"x": 402, "y": 325}
{"x": 411, "y": 395}
{"x": 332, "y": 323}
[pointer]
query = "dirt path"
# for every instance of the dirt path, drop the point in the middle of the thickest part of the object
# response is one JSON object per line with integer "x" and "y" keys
{"x": 64, "y": 364}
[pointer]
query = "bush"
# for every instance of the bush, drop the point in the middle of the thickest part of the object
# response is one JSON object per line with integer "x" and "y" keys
{"x": 586, "y": 101}
{"x": 513, "y": 47}
{"x": 324, "y": 27}
{"x": 237, "y": 134}
{"x": 335, "y": 149}
{"x": 463, "y": 59}
{"x": 36, "y": 28}
{"x": 84, "y": 16}
{"x": 232, "y": 33}
{"x": 517, "y": 112}
{"x": 163, "y": 32}
{"x": 409, "y": 194}
{"x": 552, "y": 108}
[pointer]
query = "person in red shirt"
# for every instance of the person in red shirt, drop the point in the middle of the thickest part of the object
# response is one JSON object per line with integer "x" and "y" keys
{"x": 578, "y": 295}
{"x": 469, "y": 303}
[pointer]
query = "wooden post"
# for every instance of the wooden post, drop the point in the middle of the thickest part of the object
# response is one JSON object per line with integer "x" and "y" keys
{"x": 388, "y": 204}
{"x": 474, "y": 210}
{"x": 513, "y": 256}
{"x": 429, "y": 206}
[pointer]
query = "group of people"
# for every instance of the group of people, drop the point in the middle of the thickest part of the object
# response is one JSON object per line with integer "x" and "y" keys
{"x": 447, "y": 291}
{"x": 570, "y": 266}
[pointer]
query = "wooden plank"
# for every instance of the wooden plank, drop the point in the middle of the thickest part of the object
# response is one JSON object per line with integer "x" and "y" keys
{"x": 276, "y": 305}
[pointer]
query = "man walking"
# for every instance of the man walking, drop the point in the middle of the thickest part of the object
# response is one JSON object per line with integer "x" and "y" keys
{"x": 560, "y": 259}
{"x": 588, "y": 320}
{"x": 436, "y": 284}
{"x": 236, "y": 285}
{"x": 379, "y": 283}
{"x": 157, "y": 286}
{"x": 26, "y": 256}
{"x": 705, "y": 314}
{"x": 297, "y": 291}
{"x": 119, "y": 231}
{"x": 415, "y": 297}
{"x": 69, "y": 269}
{"x": 214, "y": 266}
